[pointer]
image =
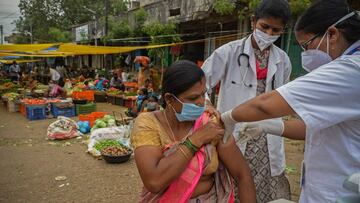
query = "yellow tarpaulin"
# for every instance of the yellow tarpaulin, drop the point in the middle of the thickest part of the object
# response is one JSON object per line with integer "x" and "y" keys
{"x": 70, "y": 49}
{"x": 67, "y": 49}
{"x": 17, "y": 61}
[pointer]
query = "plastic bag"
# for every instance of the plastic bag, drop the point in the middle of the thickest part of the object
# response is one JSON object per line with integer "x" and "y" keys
{"x": 120, "y": 133}
{"x": 62, "y": 128}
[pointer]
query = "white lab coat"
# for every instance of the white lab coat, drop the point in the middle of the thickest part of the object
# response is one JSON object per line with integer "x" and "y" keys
{"x": 222, "y": 66}
{"x": 328, "y": 100}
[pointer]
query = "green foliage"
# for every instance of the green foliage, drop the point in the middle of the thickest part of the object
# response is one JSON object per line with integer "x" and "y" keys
{"x": 56, "y": 35}
{"x": 253, "y": 4}
{"x": 161, "y": 34}
{"x": 140, "y": 17}
{"x": 299, "y": 6}
{"x": 61, "y": 14}
{"x": 118, "y": 7}
{"x": 118, "y": 28}
{"x": 223, "y": 7}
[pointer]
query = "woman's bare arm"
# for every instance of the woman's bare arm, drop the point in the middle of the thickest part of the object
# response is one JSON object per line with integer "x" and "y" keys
{"x": 237, "y": 166}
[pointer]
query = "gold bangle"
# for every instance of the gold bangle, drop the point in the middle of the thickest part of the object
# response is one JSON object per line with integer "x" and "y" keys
{"x": 184, "y": 153}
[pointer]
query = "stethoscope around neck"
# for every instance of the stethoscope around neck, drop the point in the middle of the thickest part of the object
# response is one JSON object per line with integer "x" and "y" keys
{"x": 244, "y": 61}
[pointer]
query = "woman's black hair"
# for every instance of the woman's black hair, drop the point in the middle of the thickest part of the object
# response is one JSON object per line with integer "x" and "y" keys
{"x": 145, "y": 91}
{"x": 179, "y": 77}
{"x": 273, "y": 8}
{"x": 324, "y": 13}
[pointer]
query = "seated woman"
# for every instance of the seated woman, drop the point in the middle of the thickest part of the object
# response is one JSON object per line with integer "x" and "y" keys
{"x": 116, "y": 82}
{"x": 101, "y": 83}
{"x": 140, "y": 100}
{"x": 55, "y": 90}
{"x": 179, "y": 155}
{"x": 31, "y": 83}
{"x": 150, "y": 105}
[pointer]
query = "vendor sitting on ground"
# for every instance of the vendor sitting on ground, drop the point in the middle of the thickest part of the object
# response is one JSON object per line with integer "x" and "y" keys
{"x": 101, "y": 83}
{"x": 31, "y": 83}
{"x": 55, "y": 90}
{"x": 141, "y": 98}
{"x": 151, "y": 104}
{"x": 116, "y": 82}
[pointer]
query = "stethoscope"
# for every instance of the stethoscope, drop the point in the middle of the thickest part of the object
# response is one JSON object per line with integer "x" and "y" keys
{"x": 244, "y": 61}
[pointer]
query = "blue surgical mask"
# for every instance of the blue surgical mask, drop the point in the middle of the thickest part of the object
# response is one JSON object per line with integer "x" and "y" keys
{"x": 189, "y": 112}
{"x": 141, "y": 97}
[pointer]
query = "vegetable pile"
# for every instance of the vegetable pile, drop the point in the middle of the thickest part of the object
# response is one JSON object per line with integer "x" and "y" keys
{"x": 113, "y": 91}
{"x": 115, "y": 151}
{"x": 106, "y": 121}
{"x": 34, "y": 101}
{"x": 107, "y": 143}
{"x": 11, "y": 96}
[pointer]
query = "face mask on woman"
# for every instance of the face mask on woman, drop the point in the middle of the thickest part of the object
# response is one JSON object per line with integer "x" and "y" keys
{"x": 189, "y": 111}
{"x": 313, "y": 58}
{"x": 263, "y": 39}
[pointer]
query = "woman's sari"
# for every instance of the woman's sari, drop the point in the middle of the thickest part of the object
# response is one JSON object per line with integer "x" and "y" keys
{"x": 181, "y": 189}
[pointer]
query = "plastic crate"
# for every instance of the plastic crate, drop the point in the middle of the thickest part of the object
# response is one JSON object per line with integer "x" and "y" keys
{"x": 88, "y": 95}
{"x": 111, "y": 99}
{"x": 22, "y": 109}
{"x": 129, "y": 103}
{"x": 91, "y": 117}
{"x": 119, "y": 100}
{"x": 67, "y": 111}
{"x": 85, "y": 108}
{"x": 13, "y": 106}
{"x": 36, "y": 112}
{"x": 100, "y": 98}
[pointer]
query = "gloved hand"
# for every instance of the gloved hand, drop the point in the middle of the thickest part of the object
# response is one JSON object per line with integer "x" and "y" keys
{"x": 229, "y": 124}
{"x": 269, "y": 126}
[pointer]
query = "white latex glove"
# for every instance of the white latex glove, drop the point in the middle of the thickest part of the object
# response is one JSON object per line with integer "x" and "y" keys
{"x": 229, "y": 124}
{"x": 269, "y": 126}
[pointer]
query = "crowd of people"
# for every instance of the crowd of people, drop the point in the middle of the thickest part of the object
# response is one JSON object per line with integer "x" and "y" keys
{"x": 192, "y": 151}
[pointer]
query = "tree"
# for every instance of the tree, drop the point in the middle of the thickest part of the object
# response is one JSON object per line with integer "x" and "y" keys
{"x": 56, "y": 35}
{"x": 161, "y": 34}
{"x": 40, "y": 15}
{"x": 223, "y": 7}
{"x": 140, "y": 17}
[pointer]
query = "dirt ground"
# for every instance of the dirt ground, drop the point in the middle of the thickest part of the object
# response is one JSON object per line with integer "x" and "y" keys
{"x": 29, "y": 164}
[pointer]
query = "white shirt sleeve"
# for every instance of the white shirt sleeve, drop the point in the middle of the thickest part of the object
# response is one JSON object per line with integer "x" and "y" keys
{"x": 327, "y": 96}
{"x": 215, "y": 66}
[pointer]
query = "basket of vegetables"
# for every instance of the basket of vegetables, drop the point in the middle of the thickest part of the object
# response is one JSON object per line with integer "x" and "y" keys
{"x": 113, "y": 151}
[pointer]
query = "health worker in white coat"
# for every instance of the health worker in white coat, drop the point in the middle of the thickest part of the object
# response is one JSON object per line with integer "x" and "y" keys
{"x": 246, "y": 68}
{"x": 327, "y": 100}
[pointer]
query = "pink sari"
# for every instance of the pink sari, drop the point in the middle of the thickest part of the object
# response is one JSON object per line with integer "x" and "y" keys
{"x": 181, "y": 189}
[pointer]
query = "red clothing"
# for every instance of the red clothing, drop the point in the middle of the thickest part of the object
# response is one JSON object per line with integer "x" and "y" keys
{"x": 260, "y": 73}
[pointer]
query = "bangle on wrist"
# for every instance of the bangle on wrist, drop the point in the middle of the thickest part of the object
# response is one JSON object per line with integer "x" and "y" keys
{"x": 192, "y": 143}
{"x": 187, "y": 143}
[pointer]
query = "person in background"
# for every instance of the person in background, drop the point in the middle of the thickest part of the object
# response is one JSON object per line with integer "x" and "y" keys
{"x": 248, "y": 67}
{"x": 140, "y": 100}
{"x": 124, "y": 75}
{"x": 54, "y": 75}
{"x": 54, "y": 90}
{"x": 178, "y": 152}
{"x": 144, "y": 72}
{"x": 31, "y": 84}
{"x": 327, "y": 100}
{"x": 150, "y": 105}
{"x": 116, "y": 82}
{"x": 101, "y": 83}
{"x": 14, "y": 71}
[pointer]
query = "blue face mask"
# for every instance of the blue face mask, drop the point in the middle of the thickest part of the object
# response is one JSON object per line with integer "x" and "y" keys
{"x": 141, "y": 97}
{"x": 189, "y": 112}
